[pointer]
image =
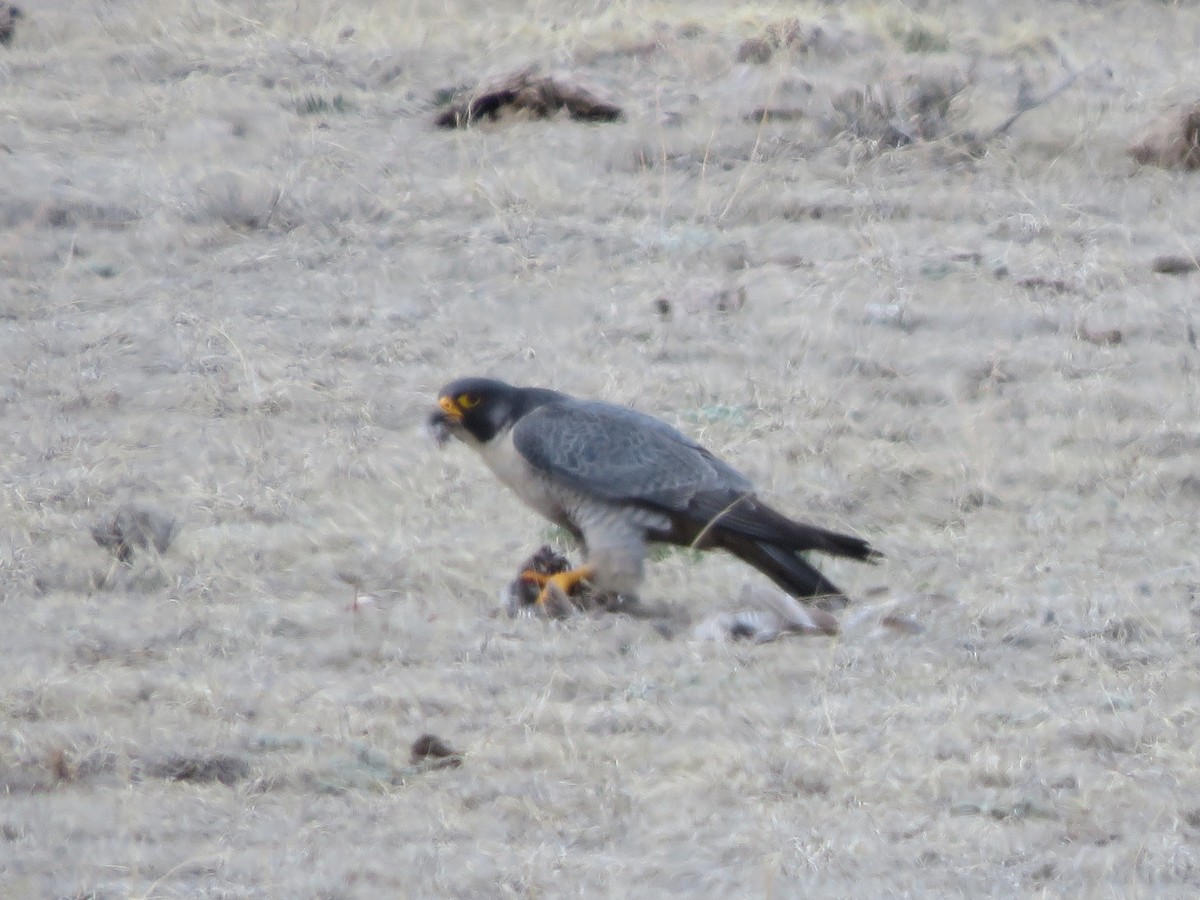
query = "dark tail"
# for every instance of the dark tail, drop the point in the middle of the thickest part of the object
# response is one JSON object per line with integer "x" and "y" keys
{"x": 767, "y": 540}
{"x": 811, "y": 537}
{"x": 747, "y": 517}
{"x": 790, "y": 570}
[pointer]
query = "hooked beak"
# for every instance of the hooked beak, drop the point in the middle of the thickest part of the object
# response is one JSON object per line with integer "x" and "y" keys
{"x": 443, "y": 420}
{"x": 450, "y": 408}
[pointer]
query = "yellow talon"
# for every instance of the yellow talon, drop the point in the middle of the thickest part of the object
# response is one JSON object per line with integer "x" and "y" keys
{"x": 564, "y": 581}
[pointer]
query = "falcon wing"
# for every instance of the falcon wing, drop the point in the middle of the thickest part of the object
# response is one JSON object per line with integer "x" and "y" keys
{"x": 619, "y": 455}
{"x": 624, "y": 456}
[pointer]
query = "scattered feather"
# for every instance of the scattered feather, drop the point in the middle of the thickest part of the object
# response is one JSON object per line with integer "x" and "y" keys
{"x": 768, "y": 614}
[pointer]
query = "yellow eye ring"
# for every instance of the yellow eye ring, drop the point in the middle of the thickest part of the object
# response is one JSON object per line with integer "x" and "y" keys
{"x": 467, "y": 401}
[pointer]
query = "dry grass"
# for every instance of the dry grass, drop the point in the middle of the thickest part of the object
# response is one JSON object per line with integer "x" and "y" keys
{"x": 236, "y": 258}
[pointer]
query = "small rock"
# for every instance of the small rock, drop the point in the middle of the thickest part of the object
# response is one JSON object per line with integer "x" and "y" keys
{"x": 755, "y": 51}
{"x": 902, "y": 624}
{"x": 1108, "y": 337}
{"x": 1172, "y": 264}
{"x": 8, "y": 22}
{"x": 431, "y": 750}
{"x": 59, "y": 765}
{"x": 890, "y": 314}
{"x": 1173, "y": 140}
{"x": 525, "y": 91}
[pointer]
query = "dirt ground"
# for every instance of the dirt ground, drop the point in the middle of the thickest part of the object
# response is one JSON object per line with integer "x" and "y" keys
{"x": 236, "y": 262}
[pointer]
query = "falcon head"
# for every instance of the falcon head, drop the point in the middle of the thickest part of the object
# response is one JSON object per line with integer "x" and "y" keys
{"x": 476, "y": 409}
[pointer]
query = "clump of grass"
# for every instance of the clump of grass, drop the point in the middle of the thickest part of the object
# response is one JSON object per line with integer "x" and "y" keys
{"x": 227, "y": 768}
{"x": 318, "y": 105}
{"x": 134, "y": 527}
{"x": 918, "y": 37}
{"x": 240, "y": 201}
{"x": 910, "y": 110}
{"x": 448, "y": 94}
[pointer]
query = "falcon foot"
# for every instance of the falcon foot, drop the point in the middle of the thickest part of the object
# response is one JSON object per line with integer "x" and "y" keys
{"x": 565, "y": 582}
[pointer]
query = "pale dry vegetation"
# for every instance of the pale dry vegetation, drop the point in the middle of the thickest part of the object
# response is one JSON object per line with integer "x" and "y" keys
{"x": 236, "y": 260}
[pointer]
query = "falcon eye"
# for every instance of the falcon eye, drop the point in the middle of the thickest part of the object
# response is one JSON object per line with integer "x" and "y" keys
{"x": 467, "y": 401}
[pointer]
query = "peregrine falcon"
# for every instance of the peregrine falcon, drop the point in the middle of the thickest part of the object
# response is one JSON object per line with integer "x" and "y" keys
{"x": 618, "y": 480}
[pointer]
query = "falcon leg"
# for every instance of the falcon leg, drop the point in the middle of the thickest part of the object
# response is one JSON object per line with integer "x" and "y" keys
{"x": 564, "y": 581}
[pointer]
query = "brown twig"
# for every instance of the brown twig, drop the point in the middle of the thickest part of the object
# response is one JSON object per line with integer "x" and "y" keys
{"x": 1026, "y": 100}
